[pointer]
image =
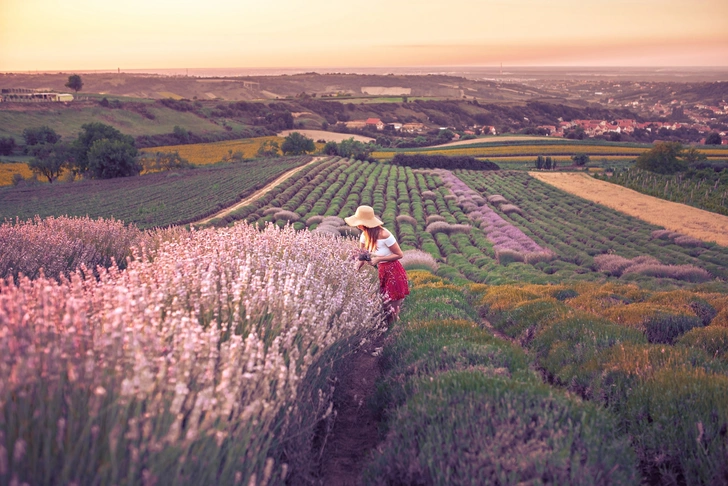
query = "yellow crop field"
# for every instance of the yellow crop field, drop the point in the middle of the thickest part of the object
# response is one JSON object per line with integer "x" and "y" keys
{"x": 533, "y": 150}
{"x": 213, "y": 152}
{"x": 8, "y": 169}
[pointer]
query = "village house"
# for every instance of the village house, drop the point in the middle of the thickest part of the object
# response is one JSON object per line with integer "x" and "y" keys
{"x": 25, "y": 95}
{"x": 356, "y": 124}
{"x": 413, "y": 127}
{"x": 375, "y": 122}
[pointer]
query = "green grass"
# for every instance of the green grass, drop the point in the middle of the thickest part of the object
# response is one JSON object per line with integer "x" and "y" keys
{"x": 67, "y": 120}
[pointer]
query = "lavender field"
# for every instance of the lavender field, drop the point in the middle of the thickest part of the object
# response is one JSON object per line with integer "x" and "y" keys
{"x": 205, "y": 356}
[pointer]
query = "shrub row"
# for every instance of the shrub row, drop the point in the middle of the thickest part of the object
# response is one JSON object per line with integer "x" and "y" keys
{"x": 670, "y": 399}
{"x": 421, "y": 161}
{"x": 463, "y": 407}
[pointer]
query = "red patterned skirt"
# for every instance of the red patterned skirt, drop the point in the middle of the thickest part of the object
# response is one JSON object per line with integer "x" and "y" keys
{"x": 393, "y": 280}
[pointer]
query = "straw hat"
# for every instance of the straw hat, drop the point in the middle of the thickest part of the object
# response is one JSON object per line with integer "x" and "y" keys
{"x": 364, "y": 216}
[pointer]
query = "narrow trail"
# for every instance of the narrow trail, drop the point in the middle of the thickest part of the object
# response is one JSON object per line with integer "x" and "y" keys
{"x": 257, "y": 194}
{"x": 356, "y": 430}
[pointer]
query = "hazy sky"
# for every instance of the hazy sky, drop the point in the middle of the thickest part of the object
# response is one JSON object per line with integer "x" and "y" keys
{"x": 143, "y": 34}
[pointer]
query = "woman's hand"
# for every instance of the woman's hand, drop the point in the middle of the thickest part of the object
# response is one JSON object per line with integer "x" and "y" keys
{"x": 375, "y": 261}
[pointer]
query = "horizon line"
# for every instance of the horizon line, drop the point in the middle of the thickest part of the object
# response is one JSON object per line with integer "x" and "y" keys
{"x": 338, "y": 69}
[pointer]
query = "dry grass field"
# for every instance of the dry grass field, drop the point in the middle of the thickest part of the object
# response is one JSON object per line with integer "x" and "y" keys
{"x": 328, "y": 136}
{"x": 688, "y": 220}
{"x": 8, "y": 169}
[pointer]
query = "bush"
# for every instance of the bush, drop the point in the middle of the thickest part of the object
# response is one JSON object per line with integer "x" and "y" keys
{"x": 506, "y": 256}
{"x": 286, "y": 216}
{"x": 429, "y": 196}
{"x": 678, "y": 424}
{"x": 511, "y": 209}
{"x": 419, "y": 260}
{"x": 712, "y": 339}
{"x": 405, "y": 218}
{"x": 665, "y": 328}
{"x": 314, "y": 220}
{"x": 422, "y": 161}
{"x": 497, "y": 199}
{"x": 466, "y": 428}
{"x": 434, "y": 218}
{"x": 272, "y": 210}
{"x": 563, "y": 348}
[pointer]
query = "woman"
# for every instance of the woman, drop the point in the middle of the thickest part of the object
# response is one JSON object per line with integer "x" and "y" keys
{"x": 385, "y": 253}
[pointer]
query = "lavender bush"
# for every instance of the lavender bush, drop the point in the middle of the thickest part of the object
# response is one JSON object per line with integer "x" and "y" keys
{"x": 419, "y": 260}
{"x": 183, "y": 369}
{"x": 618, "y": 266}
{"x": 501, "y": 233}
{"x": 286, "y": 216}
{"x": 58, "y": 246}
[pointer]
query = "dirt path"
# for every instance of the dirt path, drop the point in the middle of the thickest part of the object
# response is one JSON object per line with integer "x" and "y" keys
{"x": 255, "y": 195}
{"x": 682, "y": 218}
{"x": 356, "y": 430}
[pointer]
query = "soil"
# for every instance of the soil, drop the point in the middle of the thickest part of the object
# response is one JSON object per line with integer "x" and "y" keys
{"x": 257, "y": 194}
{"x": 356, "y": 429}
{"x": 684, "y": 219}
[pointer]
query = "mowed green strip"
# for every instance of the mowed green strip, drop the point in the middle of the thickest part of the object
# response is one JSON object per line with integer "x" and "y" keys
{"x": 148, "y": 201}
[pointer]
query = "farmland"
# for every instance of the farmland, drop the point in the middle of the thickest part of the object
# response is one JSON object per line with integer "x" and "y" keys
{"x": 161, "y": 199}
{"x": 704, "y": 189}
{"x": 673, "y": 216}
{"x": 548, "y": 323}
{"x": 534, "y": 148}
{"x": 213, "y": 152}
{"x": 532, "y": 232}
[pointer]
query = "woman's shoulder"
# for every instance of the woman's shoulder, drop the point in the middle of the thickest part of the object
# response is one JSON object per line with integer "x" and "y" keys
{"x": 384, "y": 233}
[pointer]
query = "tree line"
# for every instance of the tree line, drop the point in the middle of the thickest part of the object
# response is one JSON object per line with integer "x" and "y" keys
{"x": 422, "y": 161}
{"x": 100, "y": 152}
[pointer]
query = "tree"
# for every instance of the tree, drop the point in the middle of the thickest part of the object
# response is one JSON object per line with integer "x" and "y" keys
{"x": 166, "y": 161}
{"x": 663, "y": 158}
{"x": 92, "y": 132}
{"x": 539, "y": 162}
{"x": 108, "y": 159}
{"x": 297, "y": 144}
{"x": 580, "y": 159}
{"x": 74, "y": 82}
{"x": 693, "y": 156}
{"x": 38, "y": 135}
{"x": 182, "y": 135}
{"x": 713, "y": 139}
{"x": 269, "y": 148}
{"x": 49, "y": 159}
{"x": 331, "y": 148}
{"x": 7, "y": 145}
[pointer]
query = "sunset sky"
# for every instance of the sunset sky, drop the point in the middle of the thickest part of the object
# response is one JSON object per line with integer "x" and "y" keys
{"x": 48, "y": 35}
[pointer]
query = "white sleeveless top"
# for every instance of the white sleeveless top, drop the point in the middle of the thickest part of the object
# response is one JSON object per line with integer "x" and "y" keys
{"x": 382, "y": 245}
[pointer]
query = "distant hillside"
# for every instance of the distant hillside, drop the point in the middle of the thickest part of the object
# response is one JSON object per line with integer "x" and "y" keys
{"x": 271, "y": 87}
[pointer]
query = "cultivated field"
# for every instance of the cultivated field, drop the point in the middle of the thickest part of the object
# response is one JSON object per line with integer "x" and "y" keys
{"x": 684, "y": 219}
{"x": 328, "y": 136}
{"x": 161, "y": 199}
{"x": 214, "y": 152}
{"x": 255, "y": 345}
{"x": 499, "y": 139}
{"x": 533, "y": 148}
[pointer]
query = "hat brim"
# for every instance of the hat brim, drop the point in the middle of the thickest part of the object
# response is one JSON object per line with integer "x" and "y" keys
{"x": 369, "y": 223}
